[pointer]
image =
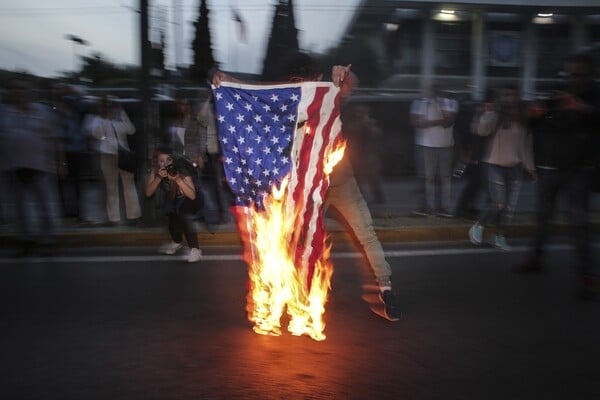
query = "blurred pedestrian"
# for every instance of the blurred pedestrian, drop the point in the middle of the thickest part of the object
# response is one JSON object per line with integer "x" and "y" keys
{"x": 212, "y": 160}
{"x": 110, "y": 129}
{"x": 174, "y": 178}
{"x": 184, "y": 133}
{"x": 433, "y": 118}
{"x": 508, "y": 153}
{"x": 31, "y": 154}
{"x": 567, "y": 145}
{"x": 69, "y": 105}
{"x": 364, "y": 149}
{"x": 471, "y": 168}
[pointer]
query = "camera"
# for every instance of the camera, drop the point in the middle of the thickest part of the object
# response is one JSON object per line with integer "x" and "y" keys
{"x": 172, "y": 169}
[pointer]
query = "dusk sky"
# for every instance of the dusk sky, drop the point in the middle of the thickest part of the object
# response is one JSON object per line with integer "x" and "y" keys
{"x": 32, "y": 32}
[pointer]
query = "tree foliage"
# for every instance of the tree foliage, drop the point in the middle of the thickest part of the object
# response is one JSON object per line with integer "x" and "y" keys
{"x": 202, "y": 47}
{"x": 283, "y": 40}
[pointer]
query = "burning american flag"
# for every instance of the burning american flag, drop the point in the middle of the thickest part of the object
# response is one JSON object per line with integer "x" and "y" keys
{"x": 279, "y": 144}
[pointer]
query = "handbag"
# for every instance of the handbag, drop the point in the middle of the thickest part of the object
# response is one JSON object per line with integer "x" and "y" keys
{"x": 126, "y": 159}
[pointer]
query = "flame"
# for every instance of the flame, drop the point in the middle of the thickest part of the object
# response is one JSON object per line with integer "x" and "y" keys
{"x": 277, "y": 285}
{"x": 334, "y": 157}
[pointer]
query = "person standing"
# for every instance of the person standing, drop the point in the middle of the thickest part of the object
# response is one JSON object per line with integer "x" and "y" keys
{"x": 32, "y": 155}
{"x": 433, "y": 118}
{"x": 509, "y": 152}
{"x": 213, "y": 164}
{"x": 184, "y": 133}
{"x": 343, "y": 193}
{"x": 111, "y": 128}
{"x": 566, "y": 148}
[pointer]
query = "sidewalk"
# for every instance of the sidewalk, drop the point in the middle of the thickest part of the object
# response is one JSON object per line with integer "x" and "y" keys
{"x": 393, "y": 222}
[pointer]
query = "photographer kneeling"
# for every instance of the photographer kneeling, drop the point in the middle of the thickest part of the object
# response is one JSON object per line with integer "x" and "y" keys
{"x": 182, "y": 200}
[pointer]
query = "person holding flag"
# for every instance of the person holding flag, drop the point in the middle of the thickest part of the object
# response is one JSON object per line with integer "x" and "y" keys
{"x": 321, "y": 110}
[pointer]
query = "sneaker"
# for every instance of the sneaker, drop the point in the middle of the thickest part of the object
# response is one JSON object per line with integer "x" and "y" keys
{"x": 500, "y": 242}
{"x": 391, "y": 310}
{"x": 476, "y": 234}
{"x": 194, "y": 255}
{"x": 170, "y": 248}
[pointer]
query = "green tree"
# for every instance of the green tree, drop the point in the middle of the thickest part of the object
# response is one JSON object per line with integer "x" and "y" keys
{"x": 202, "y": 47}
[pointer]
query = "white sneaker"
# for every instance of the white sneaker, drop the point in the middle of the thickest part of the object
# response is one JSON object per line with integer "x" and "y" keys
{"x": 476, "y": 234}
{"x": 170, "y": 248}
{"x": 501, "y": 243}
{"x": 194, "y": 255}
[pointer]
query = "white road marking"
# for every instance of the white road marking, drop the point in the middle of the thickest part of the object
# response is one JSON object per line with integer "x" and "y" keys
{"x": 237, "y": 257}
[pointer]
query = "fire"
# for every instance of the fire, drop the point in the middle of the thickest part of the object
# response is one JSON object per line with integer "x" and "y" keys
{"x": 278, "y": 286}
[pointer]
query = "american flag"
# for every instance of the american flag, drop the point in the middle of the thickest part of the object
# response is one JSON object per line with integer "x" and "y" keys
{"x": 269, "y": 131}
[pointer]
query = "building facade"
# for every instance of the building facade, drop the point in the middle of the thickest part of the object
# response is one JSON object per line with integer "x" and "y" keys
{"x": 469, "y": 46}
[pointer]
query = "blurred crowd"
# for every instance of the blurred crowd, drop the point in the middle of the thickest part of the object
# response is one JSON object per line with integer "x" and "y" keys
{"x": 54, "y": 150}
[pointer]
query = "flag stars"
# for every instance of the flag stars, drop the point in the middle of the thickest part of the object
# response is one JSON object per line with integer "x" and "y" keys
{"x": 274, "y": 98}
{"x": 228, "y": 160}
{"x": 249, "y": 151}
{"x": 240, "y": 118}
{"x": 241, "y": 140}
{"x": 229, "y": 106}
{"x": 294, "y": 97}
{"x": 267, "y": 128}
{"x": 232, "y": 180}
{"x": 257, "y": 118}
{"x": 237, "y": 96}
{"x": 267, "y": 107}
{"x": 267, "y": 150}
{"x": 231, "y": 129}
{"x": 248, "y": 107}
{"x": 258, "y": 139}
{"x": 279, "y": 150}
{"x": 285, "y": 160}
{"x": 218, "y": 95}
{"x": 221, "y": 119}
{"x": 266, "y": 172}
{"x": 258, "y": 161}
{"x": 235, "y": 149}
{"x": 275, "y": 118}
{"x": 283, "y": 108}
{"x": 274, "y": 140}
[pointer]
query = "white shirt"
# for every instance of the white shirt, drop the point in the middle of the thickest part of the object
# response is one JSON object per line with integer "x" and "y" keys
{"x": 431, "y": 109}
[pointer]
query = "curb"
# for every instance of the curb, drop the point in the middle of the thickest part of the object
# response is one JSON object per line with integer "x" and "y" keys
{"x": 154, "y": 236}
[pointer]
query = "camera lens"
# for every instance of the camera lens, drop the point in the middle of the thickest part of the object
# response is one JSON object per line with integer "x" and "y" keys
{"x": 171, "y": 170}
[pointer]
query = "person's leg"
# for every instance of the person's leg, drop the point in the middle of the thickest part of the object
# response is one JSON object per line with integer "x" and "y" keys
{"x": 548, "y": 186}
{"x": 110, "y": 172}
{"x": 350, "y": 203}
{"x": 130, "y": 195}
{"x": 431, "y": 161}
{"x": 21, "y": 191}
{"x": 44, "y": 189}
{"x": 579, "y": 191}
{"x": 446, "y": 155}
{"x": 187, "y": 212}
{"x": 512, "y": 179}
